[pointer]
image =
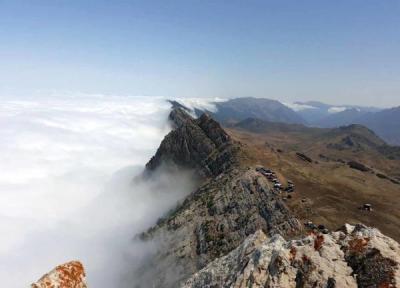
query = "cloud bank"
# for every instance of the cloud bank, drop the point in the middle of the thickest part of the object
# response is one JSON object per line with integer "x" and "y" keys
{"x": 66, "y": 189}
{"x": 298, "y": 107}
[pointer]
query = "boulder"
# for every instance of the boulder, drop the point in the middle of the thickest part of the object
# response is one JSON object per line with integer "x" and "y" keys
{"x": 358, "y": 166}
{"x": 68, "y": 275}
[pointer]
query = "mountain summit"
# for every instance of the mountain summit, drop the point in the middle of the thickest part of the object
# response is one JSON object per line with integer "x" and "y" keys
{"x": 199, "y": 144}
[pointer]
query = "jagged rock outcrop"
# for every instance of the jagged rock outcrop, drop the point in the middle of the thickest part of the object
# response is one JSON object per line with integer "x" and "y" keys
{"x": 68, "y": 275}
{"x": 355, "y": 256}
{"x": 199, "y": 144}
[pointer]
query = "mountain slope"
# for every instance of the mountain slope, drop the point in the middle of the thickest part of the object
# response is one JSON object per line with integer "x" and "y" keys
{"x": 385, "y": 123}
{"x": 346, "y": 117}
{"x": 355, "y": 140}
{"x": 258, "y": 125}
{"x": 329, "y": 190}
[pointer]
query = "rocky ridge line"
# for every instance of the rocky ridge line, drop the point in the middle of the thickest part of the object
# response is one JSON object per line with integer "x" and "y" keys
{"x": 233, "y": 202}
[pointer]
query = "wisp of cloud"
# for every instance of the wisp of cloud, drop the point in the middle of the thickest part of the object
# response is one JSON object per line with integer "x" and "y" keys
{"x": 67, "y": 189}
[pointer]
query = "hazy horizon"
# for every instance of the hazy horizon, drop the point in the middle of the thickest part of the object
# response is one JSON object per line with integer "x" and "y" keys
{"x": 344, "y": 52}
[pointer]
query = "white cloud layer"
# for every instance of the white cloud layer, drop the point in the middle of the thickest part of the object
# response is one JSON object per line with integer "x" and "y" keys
{"x": 201, "y": 103}
{"x": 66, "y": 190}
{"x": 297, "y": 106}
{"x": 334, "y": 110}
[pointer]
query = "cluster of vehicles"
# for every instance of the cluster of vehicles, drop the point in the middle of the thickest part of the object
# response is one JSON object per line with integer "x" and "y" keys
{"x": 271, "y": 176}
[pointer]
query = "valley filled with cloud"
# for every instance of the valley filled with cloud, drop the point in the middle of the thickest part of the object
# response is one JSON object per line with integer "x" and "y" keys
{"x": 68, "y": 188}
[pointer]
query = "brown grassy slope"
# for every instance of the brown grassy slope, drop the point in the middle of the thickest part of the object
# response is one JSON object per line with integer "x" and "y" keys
{"x": 327, "y": 192}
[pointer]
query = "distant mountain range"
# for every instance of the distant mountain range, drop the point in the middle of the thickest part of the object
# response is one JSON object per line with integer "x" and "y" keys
{"x": 314, "y": 112}
{"x": 384, "y": 122}
{"x": 238, "y": 109}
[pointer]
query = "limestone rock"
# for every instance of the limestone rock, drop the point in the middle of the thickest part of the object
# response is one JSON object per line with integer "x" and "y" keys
{"x": 215, "y": 219}
{"x": 68, "y": 275}
{"x": 355, "y": 256}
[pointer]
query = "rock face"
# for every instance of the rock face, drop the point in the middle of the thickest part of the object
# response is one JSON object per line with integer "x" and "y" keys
{"x": 355, "y": 256}
{"x": 233, "y": 202}
{"x": 358, "y": 166}
{"x": 68, "y": 275}
{"x": 199, "y": 144}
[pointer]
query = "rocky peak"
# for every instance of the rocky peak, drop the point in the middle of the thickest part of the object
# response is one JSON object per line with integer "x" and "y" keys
{"x": 68, "y": 275}
{"x": 354, "y": 256}
{"x": 199, "y": 144}
{"x": 179, "y": 117}
{"x": 213, "y": 130}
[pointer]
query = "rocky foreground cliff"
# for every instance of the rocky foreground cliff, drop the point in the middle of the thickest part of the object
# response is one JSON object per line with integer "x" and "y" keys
{"x": 354, "y": 256}
{"x": 236, "y": 230}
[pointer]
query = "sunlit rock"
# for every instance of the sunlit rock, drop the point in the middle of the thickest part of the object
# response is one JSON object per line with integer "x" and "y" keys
{"x": 354, "y": 256}
{"x": 68, "y": 275}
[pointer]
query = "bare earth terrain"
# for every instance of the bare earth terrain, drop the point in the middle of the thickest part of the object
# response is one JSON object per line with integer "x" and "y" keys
{"x": 328, "y": 191}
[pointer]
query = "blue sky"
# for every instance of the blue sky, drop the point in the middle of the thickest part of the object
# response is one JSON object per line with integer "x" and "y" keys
{"x": 332, "y": 51}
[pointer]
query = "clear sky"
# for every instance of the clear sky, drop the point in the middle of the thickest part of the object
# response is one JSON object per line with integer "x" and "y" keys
{"x": 333, "y": 51}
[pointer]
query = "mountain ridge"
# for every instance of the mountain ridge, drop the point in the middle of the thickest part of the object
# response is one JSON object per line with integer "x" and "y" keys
{"x": 238, "y": 109}
{"x": 231, "y": 203}
{"x": 242, "y": 226}
{"x": 241, "y": 198}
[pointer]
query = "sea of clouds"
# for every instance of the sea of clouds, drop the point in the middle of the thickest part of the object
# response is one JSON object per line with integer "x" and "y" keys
{"x": 67, "y": 188}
